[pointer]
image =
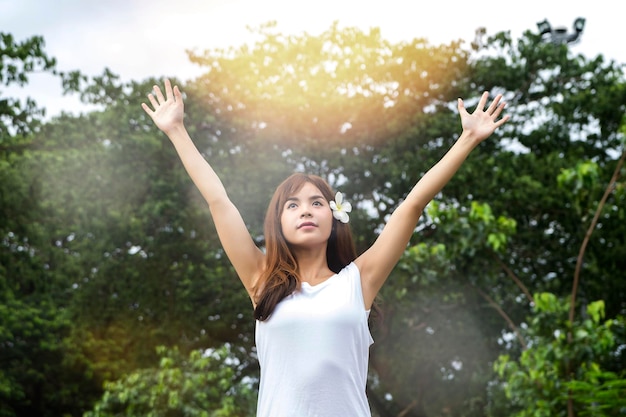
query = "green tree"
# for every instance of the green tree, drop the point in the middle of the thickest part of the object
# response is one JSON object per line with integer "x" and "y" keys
{"x": 17, "y": 61}
{"x": 548, "y": 176}
{"x": 562, "y": 375}
{"x": 434, "y": 349}
{"x": 203, "y": 384}
{"x": 120, "y": 241}
{"x": 40, "y": 372}
{"x": 148, "y": 269}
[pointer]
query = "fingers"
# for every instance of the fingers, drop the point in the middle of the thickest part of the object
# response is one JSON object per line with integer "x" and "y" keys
{"x": 158, "y": 94}
{"x": 483, "y": 101}
{"x": 168, "y": 89}
{"x": 157, "y": 98}
{"x": 498, "y": 110}
{"x": 461, "y": 106}
{"x": 147, "y": 109}
{"x": 494, "y": 109}
{"x": 153, "y": 101}
{"x": 494, "y": 106}
{"x": 502, "y": 121}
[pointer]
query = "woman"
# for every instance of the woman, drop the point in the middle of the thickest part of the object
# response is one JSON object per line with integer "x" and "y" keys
{"x": 310, "y": 292}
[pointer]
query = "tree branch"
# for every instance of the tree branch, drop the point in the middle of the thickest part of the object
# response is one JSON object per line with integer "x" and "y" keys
{"x": 512, "y": 325}
{"x": 590, "y": 230}
{"x": 407, "y": 409}
{"x": 514, "y": 277}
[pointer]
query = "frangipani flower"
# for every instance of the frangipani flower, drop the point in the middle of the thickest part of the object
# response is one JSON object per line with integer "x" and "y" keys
{"x": 340, "y": 208}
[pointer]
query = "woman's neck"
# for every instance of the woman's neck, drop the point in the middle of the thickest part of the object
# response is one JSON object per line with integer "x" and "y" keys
{"x": 313, "y": 266}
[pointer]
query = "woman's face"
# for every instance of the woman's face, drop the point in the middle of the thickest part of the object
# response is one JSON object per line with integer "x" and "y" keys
{"x": 307, "y": 219}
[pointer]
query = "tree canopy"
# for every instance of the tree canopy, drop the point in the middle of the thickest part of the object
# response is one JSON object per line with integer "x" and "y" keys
{"x": 117, "y": 297}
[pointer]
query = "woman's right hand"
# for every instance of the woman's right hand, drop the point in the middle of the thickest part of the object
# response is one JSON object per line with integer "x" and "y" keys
{"x": 168, "y": 110}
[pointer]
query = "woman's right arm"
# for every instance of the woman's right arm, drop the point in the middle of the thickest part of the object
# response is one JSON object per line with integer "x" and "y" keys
{"x": 167, "y": 113}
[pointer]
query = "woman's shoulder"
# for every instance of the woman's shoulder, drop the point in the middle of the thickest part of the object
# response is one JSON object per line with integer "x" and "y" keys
{"x": 350, "y": 270}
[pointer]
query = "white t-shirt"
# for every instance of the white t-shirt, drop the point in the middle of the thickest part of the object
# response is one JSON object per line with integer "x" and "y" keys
{"x": 314, "y": 351}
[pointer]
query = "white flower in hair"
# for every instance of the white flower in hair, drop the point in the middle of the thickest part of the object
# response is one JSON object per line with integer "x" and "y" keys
{"x": 340, "y": 208}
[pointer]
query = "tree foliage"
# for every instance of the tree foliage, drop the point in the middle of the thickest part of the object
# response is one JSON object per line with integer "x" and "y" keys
{"x": 109, "y": 251}
{"x": 17, "y": 61}
{"x": 203, "y": 384}
{"x": 565, "y": 361}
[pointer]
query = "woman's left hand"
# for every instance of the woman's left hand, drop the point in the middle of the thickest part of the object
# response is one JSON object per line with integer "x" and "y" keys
{"x": 482, "y": 122}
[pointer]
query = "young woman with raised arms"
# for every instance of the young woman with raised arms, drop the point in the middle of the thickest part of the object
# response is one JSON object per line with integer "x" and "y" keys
{"x": 310, "y": 291}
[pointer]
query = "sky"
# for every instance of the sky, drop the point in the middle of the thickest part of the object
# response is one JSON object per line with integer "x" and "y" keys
{"x": 138, "y": 39}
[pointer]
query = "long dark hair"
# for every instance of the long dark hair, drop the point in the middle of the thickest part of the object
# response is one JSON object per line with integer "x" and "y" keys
{"x": 280, "y": 277}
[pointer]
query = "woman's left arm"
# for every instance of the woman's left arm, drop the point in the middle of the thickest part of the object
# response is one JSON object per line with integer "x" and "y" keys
{"x": 376, "y": 263}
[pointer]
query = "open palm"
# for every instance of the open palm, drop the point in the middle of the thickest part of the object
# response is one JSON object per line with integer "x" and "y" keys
{"x": 167, "y": 111}
{"x": 482, "y": 122}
